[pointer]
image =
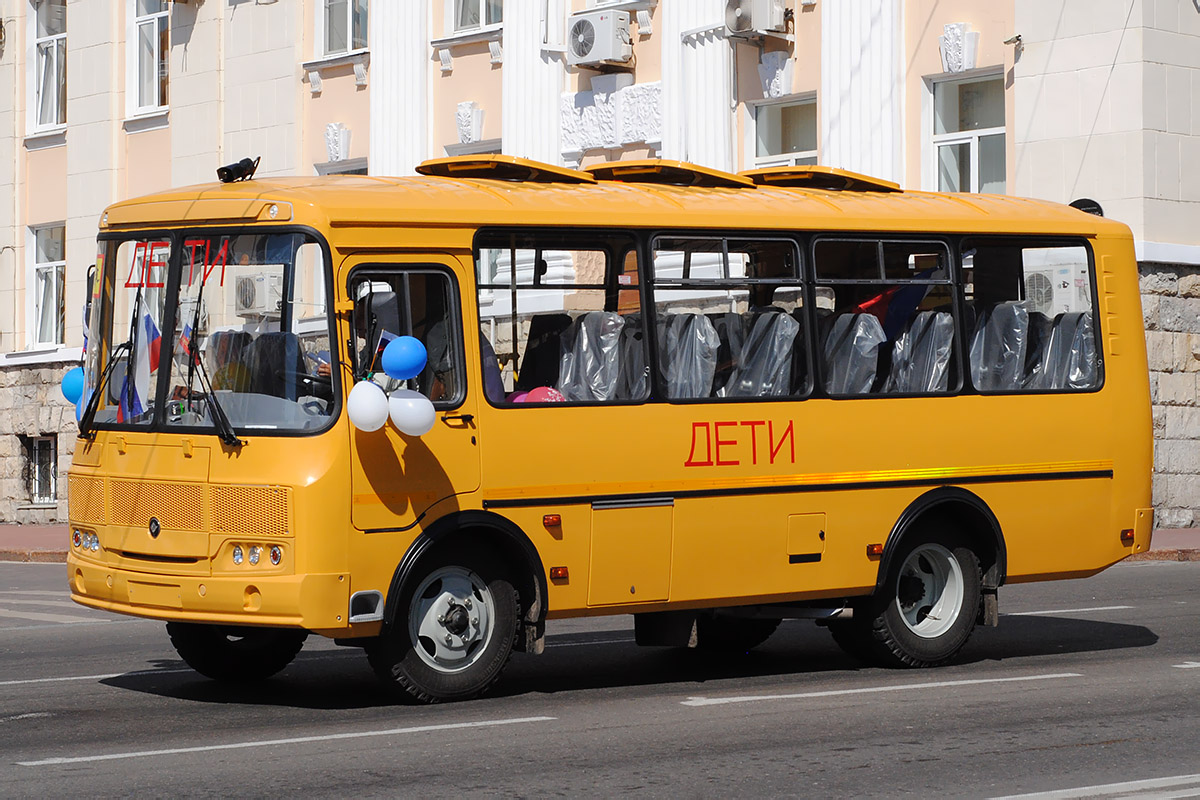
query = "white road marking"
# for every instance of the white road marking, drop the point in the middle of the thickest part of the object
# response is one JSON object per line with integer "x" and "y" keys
{"x": 717, "y": 701}
{"x": 30, "y": 715}
{"x": 12, "y": 601}
{"x": 1066, "y": 611}
{"x": 557, "y": 645}
{"x": 32, "y": 592}
{"x": 1187, "y": 665}
{"x": 276, "y": 742}
{"x": 1128, "y": 789}
{"x": 94, "y": 677}
{"x": 43, "y": 617}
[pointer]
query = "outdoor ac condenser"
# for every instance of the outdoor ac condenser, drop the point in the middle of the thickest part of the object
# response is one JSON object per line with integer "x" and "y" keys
{"x": 259, "y": 296}
{"x": 599, "y": 37}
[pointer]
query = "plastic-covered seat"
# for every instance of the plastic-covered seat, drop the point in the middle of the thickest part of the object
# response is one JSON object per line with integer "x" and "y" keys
{"x": 276, "y": 365}
{"x": 543, "y": 351}
{"x": 765, "y": 369}
{"x": 851, "y": 353}
{"x": 590, "y": 357}
{"x": 689, "y": 355}
{"x": 634, "y": 380}
{"x": 731, "y": 338}
{"x": 1040, "y": 327}
{"x": 998, "y": 347}
{"x": 921, "y": 354}
{"x": 1070, "y": 354}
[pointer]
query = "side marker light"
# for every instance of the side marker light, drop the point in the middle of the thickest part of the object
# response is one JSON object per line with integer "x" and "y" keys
{"x": 552, "y": 520}
{"x": 1127, "y": 536}
{"x": 874, "y": 550}
{"x": 559, "y": 574}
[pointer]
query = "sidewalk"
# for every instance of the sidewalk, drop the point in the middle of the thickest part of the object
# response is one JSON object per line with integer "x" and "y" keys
{"x": 48, "y": 543}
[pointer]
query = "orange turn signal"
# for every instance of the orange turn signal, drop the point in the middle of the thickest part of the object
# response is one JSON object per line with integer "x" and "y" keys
{"x": 552, "y": 520}
{"x": 559, "y": 574}
{"x": 874, "y": 550}
{"x": 1127, "y": 536}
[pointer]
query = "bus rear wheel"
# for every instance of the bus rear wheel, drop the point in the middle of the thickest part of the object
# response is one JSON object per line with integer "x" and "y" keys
{"x": 925, "y": 611}
{"x": 452, "y": 635}
{"x": 235, "y": 654}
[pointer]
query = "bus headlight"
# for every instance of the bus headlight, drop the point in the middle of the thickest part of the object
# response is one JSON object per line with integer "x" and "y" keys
{"x": 255, "y": 553}
{"x": 237, "y": 554}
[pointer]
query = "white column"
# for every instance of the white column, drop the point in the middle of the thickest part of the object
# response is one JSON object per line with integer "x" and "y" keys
{"x": 532, "y": 85}
{"x": 697, "y": 84}
{"x": 862, "y": 99}
{"x": 400, "y": 60}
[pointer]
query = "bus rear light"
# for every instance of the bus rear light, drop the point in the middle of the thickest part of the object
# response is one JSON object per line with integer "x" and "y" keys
{"x": 874, "y": 550}
{"x": 1127, "y": 536}
{"x": 276, "y": 555}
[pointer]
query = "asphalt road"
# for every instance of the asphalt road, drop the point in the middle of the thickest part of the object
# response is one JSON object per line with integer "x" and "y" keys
{"x": 1084, "y": 684}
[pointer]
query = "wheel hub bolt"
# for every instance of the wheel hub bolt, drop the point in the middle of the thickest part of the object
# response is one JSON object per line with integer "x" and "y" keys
{"x": 467, "y": 602}
{"x": 449, "y": 639}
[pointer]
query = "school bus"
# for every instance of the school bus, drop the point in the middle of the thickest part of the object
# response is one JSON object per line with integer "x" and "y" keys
{"x": 710, "y": 400}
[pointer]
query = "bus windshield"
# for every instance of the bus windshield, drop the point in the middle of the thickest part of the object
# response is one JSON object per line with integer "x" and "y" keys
{"x": 247, "y": 336}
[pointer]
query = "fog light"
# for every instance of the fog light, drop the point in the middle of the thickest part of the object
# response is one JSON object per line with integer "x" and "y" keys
{"x": 255, "y": 552}
{"x": 237, "y": 554}
{"x": 276, "y": 555}
{"x": 77, "y": 538}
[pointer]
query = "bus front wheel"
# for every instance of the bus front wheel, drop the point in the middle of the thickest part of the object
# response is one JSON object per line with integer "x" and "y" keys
{"x": 453, "y": 632}
{"x": 233, "y": 653}
{"x": 925, "y": 611}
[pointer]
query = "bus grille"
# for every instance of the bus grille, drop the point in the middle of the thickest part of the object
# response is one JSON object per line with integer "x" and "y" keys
{"x": 85, "y": 499}
{"x": 175, "y": 505}
{"x": 257, "y": 510}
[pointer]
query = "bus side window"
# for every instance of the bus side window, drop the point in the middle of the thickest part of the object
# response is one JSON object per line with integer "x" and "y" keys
{"x": 1034, "y": 328}
{"x": 891, "y": 329}
{"x": 561, "y": 315}
{"x": 729, "y": 318}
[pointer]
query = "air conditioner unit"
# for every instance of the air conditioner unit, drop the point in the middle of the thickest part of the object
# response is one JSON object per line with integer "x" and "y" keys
{"x": 754, "y": 17}
{"x": 599, "y": 37}
{"x": 259, "y": 296}
{"x": 1053, "y": 290}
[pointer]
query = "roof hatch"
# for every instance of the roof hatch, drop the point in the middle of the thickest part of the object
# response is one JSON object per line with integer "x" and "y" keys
{"x": 657, "y": 170}
{"x": 504, "y": 168}
{"x": 815, "y": 177}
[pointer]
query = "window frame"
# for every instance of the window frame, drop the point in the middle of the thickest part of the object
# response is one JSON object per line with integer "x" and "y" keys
{"x": 935, "y": 141}
{"x": 36, "y": 84}
{"x": 1033, "y": 241}
{"x": 36, "y": 270}
{"x": 320, "y": 44}
{"x": 134, "y": 55}
{"x": 452, "y": 9}
{"x": 781, "y": 159}
{"x": 49, "y": 443}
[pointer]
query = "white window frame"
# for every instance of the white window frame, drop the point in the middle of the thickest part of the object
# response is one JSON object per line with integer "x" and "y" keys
{"x": 33, "y": 289}
{"x": 319, "y": 43}
{"x": 34, "y": 73}
{"x": 37, "y": 443}
{"x": 933, "y": 141}
{"x": 451, "y": 18}
{"x": 751, "y": 156}
{"x": 133, "y": 55}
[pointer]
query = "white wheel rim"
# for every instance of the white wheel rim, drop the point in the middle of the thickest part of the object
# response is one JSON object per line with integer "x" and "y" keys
{"x": 450, "y": 619}
{"x": 929, "y": 591}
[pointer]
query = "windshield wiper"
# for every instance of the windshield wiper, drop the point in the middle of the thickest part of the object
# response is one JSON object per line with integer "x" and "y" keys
{"x": 196, "y": 367}
{"x": 89, "y": 413}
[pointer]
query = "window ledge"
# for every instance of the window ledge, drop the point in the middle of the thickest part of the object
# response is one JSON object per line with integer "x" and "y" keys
{"x": 42, "y": 354}
{"x": 44, "y": 139}
{"x": 359, "y": 59}
{"x": 492, "y": 33}
{"x": 37, "y": 506}
{"x": 147, "y": 121}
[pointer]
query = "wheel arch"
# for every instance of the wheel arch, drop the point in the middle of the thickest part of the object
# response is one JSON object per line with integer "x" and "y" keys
{"x": 969, "y": 514}
{"x": 478, "y": 529}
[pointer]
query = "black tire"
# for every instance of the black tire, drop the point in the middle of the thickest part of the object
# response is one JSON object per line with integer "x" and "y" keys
{"x": 235, "y": 654}
{"x": 925, "y": 611}
{"x": 480, "y": 618}
{"x": 719, "y": 633}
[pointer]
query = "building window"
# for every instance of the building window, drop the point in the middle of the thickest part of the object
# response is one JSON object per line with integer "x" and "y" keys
{"x": 968, "y": 135}
{"x": 49, "y": 266}
{"x": 151, "y": 57}
{"x": 50, "y": 79}
{"x": 785, "y": 134}
{"x": 473, "y": 14}
{"x": 345, "y": 26}
{"x": 41, "y": 454}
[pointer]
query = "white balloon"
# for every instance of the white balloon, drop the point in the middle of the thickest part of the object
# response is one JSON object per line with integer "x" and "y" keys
{"x": 367, "y": 406}
{"x": 411, "y": 412}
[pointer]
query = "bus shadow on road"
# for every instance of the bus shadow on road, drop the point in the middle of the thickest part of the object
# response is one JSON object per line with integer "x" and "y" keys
{"x": 341, "y": 680}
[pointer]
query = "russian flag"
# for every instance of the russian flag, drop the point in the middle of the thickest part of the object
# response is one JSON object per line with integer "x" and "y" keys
{"x": 145, "y": 362}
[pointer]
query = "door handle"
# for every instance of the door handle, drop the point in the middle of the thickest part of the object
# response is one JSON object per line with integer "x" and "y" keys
{"x": 468, "y": 419}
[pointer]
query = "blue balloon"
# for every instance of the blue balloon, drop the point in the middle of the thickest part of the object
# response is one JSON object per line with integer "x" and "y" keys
{"x": 81, "y": 405}
{"x": 72, "y": 385}
{"x": 404, "y": 358}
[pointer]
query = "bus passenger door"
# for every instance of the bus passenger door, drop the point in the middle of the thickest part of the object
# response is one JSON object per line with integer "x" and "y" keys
{"x": 396, "y": 477}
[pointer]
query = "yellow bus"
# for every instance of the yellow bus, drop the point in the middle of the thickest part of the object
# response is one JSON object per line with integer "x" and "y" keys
{"x": 425, "y": 415}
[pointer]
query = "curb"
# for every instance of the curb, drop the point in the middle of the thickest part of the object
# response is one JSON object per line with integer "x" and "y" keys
{"x": 35, "y": 556}
{"x": 1167, "y": 555}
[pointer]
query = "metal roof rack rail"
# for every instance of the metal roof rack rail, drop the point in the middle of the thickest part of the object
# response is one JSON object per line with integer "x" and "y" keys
{"x": 500, "y": 167}
{"x": 816, "y": 177}
{"x": 657, "y": 170}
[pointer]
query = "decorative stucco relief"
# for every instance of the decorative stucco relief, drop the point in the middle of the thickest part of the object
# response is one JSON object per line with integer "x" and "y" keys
{"x": 613, "y": 114}
{"x": 775, "y": 72}
{"x": 958, "y": 45}
{"x": 337, "y": 141}
{"x": 468, "y": 119}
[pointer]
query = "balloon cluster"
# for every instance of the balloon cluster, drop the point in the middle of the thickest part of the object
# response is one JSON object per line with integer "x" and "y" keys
{"x": 369, "y": 407}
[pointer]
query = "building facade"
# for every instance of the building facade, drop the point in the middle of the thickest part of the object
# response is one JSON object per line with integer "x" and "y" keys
{"x": 1057, "y": 99}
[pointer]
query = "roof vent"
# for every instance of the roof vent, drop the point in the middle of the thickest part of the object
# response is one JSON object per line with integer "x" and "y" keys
{"x": 504, "y": 168}
{"x": 677, "y": 173}
{"x": 814, "y": 177}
